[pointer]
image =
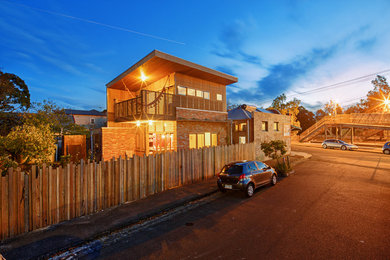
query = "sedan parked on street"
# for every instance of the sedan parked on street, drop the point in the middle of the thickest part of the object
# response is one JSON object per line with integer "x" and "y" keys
{"x": 386, "y": 148}
{"x": 333, "y": 143}
{"x": 246, "y": 176}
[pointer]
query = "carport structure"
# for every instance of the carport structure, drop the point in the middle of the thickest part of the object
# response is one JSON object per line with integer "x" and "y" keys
{"x": 344, "y": 127}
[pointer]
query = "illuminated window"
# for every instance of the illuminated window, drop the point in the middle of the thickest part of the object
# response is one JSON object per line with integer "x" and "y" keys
{"x": 207, "y": 139}
{"x": 200, "y": 140}
{"x": 181, "y": 90}
{"x": 236, "y": 126}
{"x": 192, "y": 141}
{"x": 219, "y": 97}
{"x": 241, "y": 140}
{"x": 206, "y": 95}
{"x": 243, "y": 127}
{"x": 276, "y": 126}
{"x": 264, "y": 126}
{"x": 214, "y": 140}
{"x": 199, "y": 93}
{"x": 190, "y": 92}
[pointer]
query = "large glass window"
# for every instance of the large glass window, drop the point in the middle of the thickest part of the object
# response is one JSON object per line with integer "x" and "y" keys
{"x": 219, "y": 97}
{"x": 190, "y": 92}
{"x": 200, "y": 140}
{"x": 206, "y": 95}
{"x": 241, "y": 140}
{"x": 207, "y": 139}
{"x": 214, "y": 139}
{"x": 181, "y": 90}
{"x": 192, "y": 141}
{"x": 199, "y": 93}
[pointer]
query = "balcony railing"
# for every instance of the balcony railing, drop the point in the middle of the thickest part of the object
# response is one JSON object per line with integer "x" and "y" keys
{"x": 160, "y": 106}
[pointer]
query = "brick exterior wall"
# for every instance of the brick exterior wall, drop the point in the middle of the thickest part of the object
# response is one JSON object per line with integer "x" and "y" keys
{"x": 118, "y": 141}
{"x": 188, "y": 113}
{"x": 184, "y": 128}
{"x": 265, "y": 136}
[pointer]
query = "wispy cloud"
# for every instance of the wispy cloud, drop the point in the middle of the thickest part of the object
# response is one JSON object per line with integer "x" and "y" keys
{"x": 231, "y": 43}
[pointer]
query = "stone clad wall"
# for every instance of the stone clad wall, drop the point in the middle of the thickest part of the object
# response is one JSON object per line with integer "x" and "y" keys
{"x": 260, "y": 136}
{"x": 189, "y": 113}
{"x": 184, "y": 128}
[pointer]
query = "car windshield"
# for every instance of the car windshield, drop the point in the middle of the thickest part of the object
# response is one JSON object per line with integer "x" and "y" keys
{"x": 342, "y": 142}
{"x": 232, "y": 169}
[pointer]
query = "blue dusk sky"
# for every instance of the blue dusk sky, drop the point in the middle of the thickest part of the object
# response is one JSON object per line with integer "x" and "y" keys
{"x": 66, "y": 51}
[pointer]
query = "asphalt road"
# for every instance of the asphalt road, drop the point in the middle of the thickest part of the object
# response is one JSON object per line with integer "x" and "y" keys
{"x": 336, "y": 206}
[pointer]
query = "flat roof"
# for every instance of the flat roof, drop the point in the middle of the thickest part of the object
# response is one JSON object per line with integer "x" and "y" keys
{"x": 157, "y": 65}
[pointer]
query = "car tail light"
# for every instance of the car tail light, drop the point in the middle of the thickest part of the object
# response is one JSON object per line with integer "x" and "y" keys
{"x": 242, "y": 176}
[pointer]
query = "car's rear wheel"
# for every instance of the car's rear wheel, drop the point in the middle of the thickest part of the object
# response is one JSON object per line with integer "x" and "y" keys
{"x": 250, "y": 190}
{"x": 343, "y": 148}
{"x": 387, "y": 151}
{"x": 274, "y": 179}
{"x": 324, "y": 146}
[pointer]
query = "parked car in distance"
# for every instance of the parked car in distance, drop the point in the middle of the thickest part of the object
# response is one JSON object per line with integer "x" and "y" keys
{"x": 246, "y": 176}
{"x": 386, "y": 148}
{"x": 334, "y": 143}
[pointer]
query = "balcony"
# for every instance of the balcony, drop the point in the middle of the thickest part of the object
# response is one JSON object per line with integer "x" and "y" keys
{"x": 160, "y": 106}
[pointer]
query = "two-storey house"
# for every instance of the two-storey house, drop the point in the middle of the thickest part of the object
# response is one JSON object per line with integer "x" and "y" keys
{"x": 164, "y": 103}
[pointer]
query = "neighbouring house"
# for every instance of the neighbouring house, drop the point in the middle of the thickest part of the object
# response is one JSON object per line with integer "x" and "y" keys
{"x": 165, "y": 103}
{"x": 251, "y": 124}
{"x": 90, "y": 119}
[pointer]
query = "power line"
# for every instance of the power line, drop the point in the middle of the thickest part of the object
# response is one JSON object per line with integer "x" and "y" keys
{"x": 97, "y": 23}
{"x": 332, "y": 86}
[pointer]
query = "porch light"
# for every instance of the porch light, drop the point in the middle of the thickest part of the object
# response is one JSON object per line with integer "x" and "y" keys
{"x": 143, "y": 76}
{"x": 163, "y": 136}
{"x": 138, "y": 123}
{"x": 150, "y": 122}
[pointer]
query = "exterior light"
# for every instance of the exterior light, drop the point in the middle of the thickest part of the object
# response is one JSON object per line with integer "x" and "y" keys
{"x": 138, "y": 123}
{"x": 143, "y": 76}
{"x": 163, "y": 136}
{"x": 150, "y": 122}
{"x": 329, "y": 114}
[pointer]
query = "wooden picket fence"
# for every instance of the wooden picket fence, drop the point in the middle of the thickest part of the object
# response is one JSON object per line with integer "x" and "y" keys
{"x": 46, "y": 196}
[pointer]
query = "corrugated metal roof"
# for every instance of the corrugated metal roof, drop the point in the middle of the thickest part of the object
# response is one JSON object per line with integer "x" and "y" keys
{"x": 240, "y": 113}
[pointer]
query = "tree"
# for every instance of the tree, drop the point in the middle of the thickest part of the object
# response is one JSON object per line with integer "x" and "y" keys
{"x": 332, "y": 108}
{"x": 26, "y": 144}
{"x": 320, "y": 114}
{"x": 376, "y": 98}
{"x": 287, "y": 108}
{"x": 14, "y": 93}
{"x": 48, "y": 113}
{"x": 306, "y": 118}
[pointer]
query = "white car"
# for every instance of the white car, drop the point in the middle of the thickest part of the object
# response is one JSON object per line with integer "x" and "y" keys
{"x": 333, "y": 143}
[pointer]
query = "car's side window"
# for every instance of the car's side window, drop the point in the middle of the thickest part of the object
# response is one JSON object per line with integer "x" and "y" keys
{"x": 260, "y": 165}
{"x": 252, "y": 166}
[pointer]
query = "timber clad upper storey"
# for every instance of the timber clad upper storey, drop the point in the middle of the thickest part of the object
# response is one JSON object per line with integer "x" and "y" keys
{"x": 159, "y": 83}
{"x": 165, "y": 103}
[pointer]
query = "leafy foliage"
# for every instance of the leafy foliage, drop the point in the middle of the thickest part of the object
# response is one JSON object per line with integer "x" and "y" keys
{"x": 14, "y": 93}
{"x": 306, "y": 118}
{"x": 274, "y": 149}
{"x": 374, "y": 103}
{"x": 48, "y": 113}
{"x": 332, "y": 108}
{"x": 287, "y": 108}
{"x": 27, "y": 144}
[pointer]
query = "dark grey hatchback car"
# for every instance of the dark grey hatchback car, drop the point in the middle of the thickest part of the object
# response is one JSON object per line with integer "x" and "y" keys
{"x": 246, "y": 176}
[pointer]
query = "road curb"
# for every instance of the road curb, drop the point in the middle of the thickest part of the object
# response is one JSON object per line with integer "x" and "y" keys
{"x": 133, "y": 221}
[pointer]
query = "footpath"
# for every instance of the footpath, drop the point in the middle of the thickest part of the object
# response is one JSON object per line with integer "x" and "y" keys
{"x": 46, "y": 242}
